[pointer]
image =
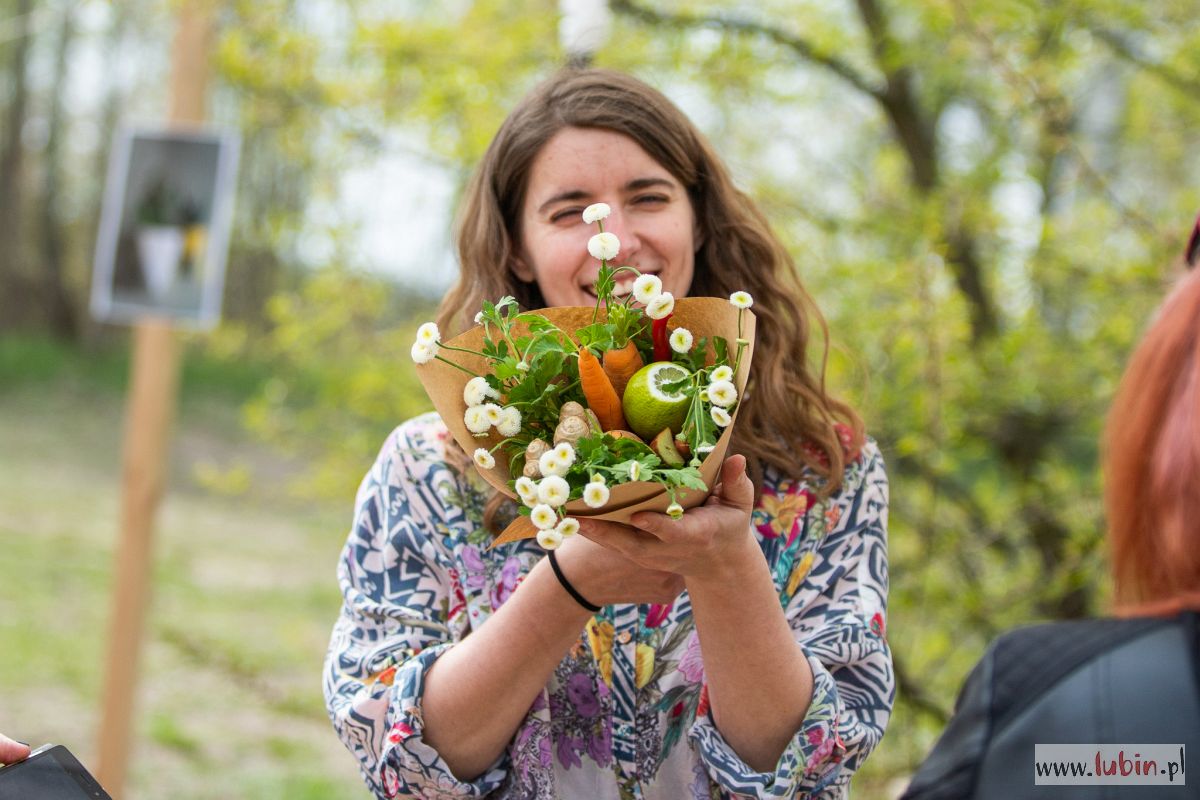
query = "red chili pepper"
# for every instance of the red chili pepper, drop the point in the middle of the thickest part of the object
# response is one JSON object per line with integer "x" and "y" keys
{"x": 662, "y": 340}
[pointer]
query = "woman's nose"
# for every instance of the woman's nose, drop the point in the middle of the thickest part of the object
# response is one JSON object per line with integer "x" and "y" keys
{"x": 625, "y": 230}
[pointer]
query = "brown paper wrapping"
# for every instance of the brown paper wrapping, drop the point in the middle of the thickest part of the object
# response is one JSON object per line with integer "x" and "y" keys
{"x": 703, "y": 316}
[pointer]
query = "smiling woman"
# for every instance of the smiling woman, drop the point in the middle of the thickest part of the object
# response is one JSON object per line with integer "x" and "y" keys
{"x": 738, "y": 649}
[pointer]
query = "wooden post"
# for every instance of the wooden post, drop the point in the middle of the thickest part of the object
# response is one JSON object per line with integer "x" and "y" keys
{"x": 149, "y": 416}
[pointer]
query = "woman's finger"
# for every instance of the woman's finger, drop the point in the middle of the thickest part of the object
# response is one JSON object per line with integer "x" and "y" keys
{"x": 11, "y": 750}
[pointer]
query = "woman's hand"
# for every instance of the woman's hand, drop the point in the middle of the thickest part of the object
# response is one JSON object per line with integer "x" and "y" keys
{"x": 710, "y": 542}
{"x": 603, "y": 576}
{"x": 12, "y": 751}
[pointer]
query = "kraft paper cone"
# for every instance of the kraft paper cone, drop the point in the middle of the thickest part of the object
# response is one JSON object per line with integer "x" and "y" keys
{"x": 703, "y": 316}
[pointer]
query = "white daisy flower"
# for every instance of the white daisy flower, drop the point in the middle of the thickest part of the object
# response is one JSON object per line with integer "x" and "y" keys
{"x": 510, "y": 421}
{"x": 595, "y": 495}
{"x": 493, "y": 412}
{"x": 741, "y": 299}
{"x": 477, "y": 391}
{"x": 476, "y": 420}
{"x": 674, "y": 511}
{"x": 604, "y": 246}
{"x": 635, "y": 471}
{"x": 661, "y": 306}
{"x": 429, "y": 334}
{"x": 596, "y": 212}
{"x": 681, "y": 340}
{"x": 646, "y": 288}
{"x": 422, "y": 353}
{"x": 720, "y": 416}
{"x": 722, "y": 373}
{"x": 565, "y": 453}
{"x": 484, "y": 459}
{"x": 705, "y": 449}
{"x": 543, "y": 516}
{"x": 527, "y": 490}
{"x": 549, "y": 538}
{"x": 722, "y": 393}
{"x": 569, "y": 526}
{"x": 553, "y": 491}
{"x": 551, "y": 464}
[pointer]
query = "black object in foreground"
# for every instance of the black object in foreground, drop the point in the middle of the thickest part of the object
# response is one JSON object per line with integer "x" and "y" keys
{"x": 50, "y": 773}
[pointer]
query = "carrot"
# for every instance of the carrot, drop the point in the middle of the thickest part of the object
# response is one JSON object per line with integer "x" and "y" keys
{"x": 599, "y": 392}
{"x": 621, "y": 364}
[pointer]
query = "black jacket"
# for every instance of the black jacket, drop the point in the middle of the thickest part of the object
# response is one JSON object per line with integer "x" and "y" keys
{"x": 1105, "y": 681}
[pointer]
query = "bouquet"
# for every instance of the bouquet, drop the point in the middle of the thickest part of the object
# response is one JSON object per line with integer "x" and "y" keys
{"x": 597, "y": 411}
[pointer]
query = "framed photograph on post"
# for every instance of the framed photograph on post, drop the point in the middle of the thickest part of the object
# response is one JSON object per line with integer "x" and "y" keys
{"x": 164, "y": 227}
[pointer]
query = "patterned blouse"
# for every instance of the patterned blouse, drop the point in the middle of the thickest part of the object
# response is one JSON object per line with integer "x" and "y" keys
{"x": 626, "y": 713}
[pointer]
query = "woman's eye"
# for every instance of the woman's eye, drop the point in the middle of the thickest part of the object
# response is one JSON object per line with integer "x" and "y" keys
{"x": 559, "y": 216}
{"x": 651, "y": 199}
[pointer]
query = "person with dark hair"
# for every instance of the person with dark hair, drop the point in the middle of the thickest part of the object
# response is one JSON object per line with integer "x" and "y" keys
{"x": 737, "y": 651}
{"x": 1131, "y": 679}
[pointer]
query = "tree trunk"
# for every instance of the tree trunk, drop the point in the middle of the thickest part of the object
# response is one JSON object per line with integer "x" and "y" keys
{"x": 13, "y": 282}
{"x": 61, "y": 311}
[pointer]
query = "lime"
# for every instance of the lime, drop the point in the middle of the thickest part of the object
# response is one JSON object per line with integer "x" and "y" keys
{"x": 648, "y": 409}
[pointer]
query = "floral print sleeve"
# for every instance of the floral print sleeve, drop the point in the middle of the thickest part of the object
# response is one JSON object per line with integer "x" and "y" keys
{"x": 829, "y": 560}
{"x": 402, "y": 607}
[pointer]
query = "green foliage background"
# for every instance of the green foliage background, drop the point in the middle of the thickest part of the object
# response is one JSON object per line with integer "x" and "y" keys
{"x": 985, "y": 198}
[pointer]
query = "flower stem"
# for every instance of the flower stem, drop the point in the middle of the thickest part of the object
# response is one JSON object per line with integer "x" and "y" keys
{"x": 456, "y": 366}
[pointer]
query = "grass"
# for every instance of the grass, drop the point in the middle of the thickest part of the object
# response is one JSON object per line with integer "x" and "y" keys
{"x": 229, "y": 702}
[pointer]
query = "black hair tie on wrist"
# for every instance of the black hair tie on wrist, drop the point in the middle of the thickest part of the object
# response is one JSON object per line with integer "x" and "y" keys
{"x": 566, "y": 584}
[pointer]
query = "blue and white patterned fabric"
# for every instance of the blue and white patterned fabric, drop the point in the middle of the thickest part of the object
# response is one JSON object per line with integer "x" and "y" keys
{"x": 626, "y": 713}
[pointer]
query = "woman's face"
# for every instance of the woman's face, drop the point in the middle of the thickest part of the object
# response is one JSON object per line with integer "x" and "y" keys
{"x": 651, "y": 215}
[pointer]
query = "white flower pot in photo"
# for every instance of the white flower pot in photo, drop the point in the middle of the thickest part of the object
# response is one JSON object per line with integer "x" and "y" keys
{"x": 160, "y": 248}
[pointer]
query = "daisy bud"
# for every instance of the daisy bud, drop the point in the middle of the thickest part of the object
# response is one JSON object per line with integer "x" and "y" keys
{"x": 543, "y": 516}
{"x": 720, "y": 416}
{"x": 741, "y": 300}
{"x": 477, "y": 391}
{"x": 429, "y": 334}
{"x": 522, "y": 366}
{"x": 568, "y": 527}
{"x": 510, "y": 421}
{"x": 553, "y": 491}
{"x": 551, "y": 464}
{"x": 721, "y": 393}
{"x": 681, "y": 340}
{"x": 722, "y": 373}
{"x": 565, "y": 453}
{"x": 705, "y": 449}
{"x": 674, "y": 511}
{"x": 646, "y": 288}
{"x": 484, "y": 459}
{"x": 527, "y": 490}
{"x": 604, "y": 246}
{"x": 595, "y": 495}
{"x": 549, "y": 538}
{"x": 478, "y": 317}
{"x": 596, "y": 212}
{"x": 661, "y": 306}
{"x": 476, "y": 420}
{"x": 635, "y": 471}
{"x": 422, "y": 353}
{"x": 493, "y": 412}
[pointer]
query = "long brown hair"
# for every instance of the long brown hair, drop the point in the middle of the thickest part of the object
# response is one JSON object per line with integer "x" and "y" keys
{"x": 786, "y": 405}
{"x": 1152, "y": 463}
